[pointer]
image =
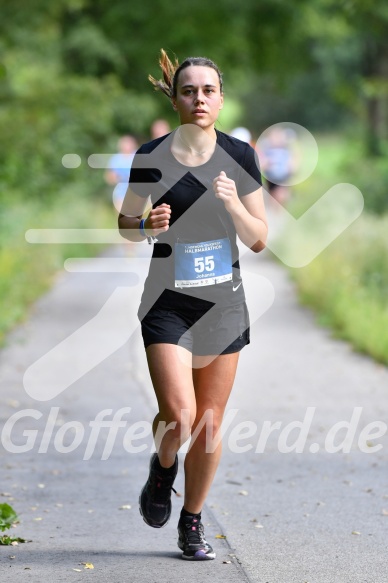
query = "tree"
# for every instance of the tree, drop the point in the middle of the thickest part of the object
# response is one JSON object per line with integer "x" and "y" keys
{"x": 351, "y": 43}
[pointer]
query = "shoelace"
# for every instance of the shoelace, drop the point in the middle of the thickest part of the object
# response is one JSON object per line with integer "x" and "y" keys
{"x": 195, "y": 532}
{"x": 161, "y": 487}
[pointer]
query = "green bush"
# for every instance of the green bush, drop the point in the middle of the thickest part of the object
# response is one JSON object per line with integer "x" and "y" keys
{"x": 26, "y": 270}
{"x": 347, "y": 284}
{"x": 47, "y": 112}
{"x": 370, "y": 175}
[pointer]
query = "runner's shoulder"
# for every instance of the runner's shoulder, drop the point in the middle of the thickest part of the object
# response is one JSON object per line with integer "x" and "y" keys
{"x": 236, "y": 148}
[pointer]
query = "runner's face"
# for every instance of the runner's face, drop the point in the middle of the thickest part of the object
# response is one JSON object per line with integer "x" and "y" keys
{"x": 198, "y": 99}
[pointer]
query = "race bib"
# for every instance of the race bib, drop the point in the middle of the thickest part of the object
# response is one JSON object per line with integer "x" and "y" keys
{"x": 199, "y": 264}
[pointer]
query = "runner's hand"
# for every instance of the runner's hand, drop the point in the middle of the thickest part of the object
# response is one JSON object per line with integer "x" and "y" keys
{"x": 225, "y": 189}
{"x": 158, "y": 220}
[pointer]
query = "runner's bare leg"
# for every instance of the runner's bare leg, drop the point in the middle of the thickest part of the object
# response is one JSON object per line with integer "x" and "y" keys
{"x": 212, "y": 384}
{"x": 174, "y": 389}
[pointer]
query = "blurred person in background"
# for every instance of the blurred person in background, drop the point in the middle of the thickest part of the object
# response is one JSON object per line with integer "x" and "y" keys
{"x": 118, "y": 171}
{"x": 277, "y": 161}
{"x": 242, "y": 134}
{"x": 159, "y": 128}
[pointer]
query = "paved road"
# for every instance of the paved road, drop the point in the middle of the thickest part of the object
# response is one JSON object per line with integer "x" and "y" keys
{"x": 288, "y": 517}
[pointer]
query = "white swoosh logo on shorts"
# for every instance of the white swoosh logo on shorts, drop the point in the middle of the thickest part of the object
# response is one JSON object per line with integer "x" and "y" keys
{"x": 237, "y": 286}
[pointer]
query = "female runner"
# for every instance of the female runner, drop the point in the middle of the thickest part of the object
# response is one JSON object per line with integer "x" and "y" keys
{"x": 205, "y": 187}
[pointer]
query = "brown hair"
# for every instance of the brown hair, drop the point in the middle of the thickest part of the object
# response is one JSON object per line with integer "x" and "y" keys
{"x": 168, "y": 85}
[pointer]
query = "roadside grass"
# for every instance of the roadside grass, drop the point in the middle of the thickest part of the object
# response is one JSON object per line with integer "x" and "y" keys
{"x": 347, "y": 284}
{"x": 26, "y": 270}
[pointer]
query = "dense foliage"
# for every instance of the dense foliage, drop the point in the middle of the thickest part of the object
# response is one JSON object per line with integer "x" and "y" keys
{"x": 74, "y": 72}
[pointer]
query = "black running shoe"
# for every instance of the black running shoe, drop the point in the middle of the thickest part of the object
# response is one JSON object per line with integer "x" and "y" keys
{"x": 155, "y": 497}
{"x": 191, "y": 540}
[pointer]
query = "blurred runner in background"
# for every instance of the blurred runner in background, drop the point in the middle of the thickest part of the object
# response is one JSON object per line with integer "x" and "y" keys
{"x": 117, "y": 174}
{"x": 277, "y": 161}
{"x": 242, "y": 134}
{"x": 159, "y": 128}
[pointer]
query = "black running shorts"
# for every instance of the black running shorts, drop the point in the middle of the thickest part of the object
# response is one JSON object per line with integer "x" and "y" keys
{"x": 201, "y": 331}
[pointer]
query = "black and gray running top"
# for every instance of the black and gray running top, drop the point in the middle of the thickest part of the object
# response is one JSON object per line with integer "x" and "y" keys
{"x": 197, "y": 259}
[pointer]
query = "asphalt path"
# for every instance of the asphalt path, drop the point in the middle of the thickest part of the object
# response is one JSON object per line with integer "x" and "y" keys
{"x": 285, "y": 507}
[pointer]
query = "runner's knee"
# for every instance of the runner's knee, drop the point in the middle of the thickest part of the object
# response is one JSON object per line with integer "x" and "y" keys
{"x": 177, "y": 421}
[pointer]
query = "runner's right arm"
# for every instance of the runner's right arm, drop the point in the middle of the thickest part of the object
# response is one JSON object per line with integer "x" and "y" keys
{"x": 132, "y": 212}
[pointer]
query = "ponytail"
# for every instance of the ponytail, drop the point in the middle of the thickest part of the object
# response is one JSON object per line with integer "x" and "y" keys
{"x": 168, "y": 85}
{"x": 168, "y": 70}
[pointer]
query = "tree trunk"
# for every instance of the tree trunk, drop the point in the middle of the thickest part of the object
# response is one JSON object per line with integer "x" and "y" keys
{"x": 371, "y": 71}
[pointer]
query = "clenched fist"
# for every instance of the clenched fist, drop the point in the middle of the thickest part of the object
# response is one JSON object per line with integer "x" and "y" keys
{"x": 225, "y": 189}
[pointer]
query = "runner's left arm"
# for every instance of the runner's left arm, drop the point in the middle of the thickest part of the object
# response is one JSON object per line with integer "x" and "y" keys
{"x": 247, "y": 212}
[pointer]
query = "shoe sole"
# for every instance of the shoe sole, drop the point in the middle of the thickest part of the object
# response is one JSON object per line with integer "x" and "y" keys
{"x": 199, "y": 555}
